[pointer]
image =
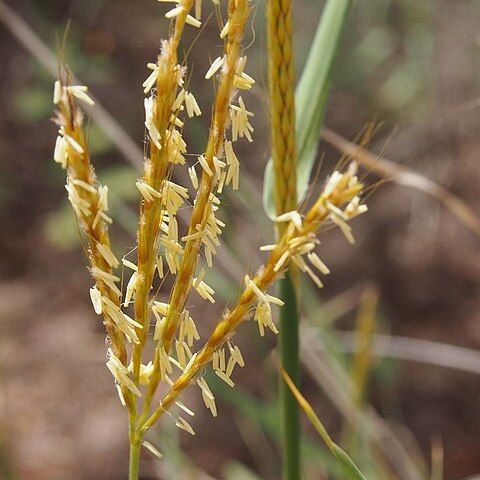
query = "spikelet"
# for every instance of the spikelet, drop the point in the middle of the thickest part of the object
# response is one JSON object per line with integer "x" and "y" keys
{"x": 233, "y": 166}
{"x": 224, "y": 369}
{"x": 96, "y": 297}
{"x": 242, "y": 80}
{"x": 240, "y": 124}
{"x": 204, "y": 290}
{"x": 207, "y": 396}
{"x": 120, "y": 373}
{"x": 145, "y": 373}
{"x": 214, "y": 67}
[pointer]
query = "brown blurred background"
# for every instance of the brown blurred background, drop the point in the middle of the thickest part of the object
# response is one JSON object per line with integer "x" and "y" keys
{"x": 414, "y": 68}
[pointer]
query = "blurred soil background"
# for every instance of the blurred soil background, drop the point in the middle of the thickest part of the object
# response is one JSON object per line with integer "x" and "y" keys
{"x": 412, "y": 66}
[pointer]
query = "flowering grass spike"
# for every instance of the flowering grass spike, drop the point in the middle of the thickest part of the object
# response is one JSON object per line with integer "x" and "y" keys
{"x": 132, "y": 314}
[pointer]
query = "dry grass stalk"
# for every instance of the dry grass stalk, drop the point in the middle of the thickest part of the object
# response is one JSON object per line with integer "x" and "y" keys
{"x": 405, "y": 176}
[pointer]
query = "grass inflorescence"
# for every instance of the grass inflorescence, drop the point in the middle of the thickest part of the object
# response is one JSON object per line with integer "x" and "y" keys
{"x": 133, "y": 317}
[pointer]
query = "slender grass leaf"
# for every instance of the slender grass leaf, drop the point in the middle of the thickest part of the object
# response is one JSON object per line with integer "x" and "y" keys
{"x": 311, "y": 98}
{"x": 349, "y": 468}
{"x": 346, "y": 463}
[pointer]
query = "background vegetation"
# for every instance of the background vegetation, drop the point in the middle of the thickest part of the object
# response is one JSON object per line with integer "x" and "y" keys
{"x": 414, "y": 66}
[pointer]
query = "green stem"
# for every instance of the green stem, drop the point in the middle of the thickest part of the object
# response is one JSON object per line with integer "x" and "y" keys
{"x": 134, "y": 460}
{"x": 289, "y": 412}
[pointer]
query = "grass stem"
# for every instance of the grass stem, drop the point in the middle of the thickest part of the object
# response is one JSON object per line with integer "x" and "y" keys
{"x": 134, "y": 458}
{"x": 288, "y": 344}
